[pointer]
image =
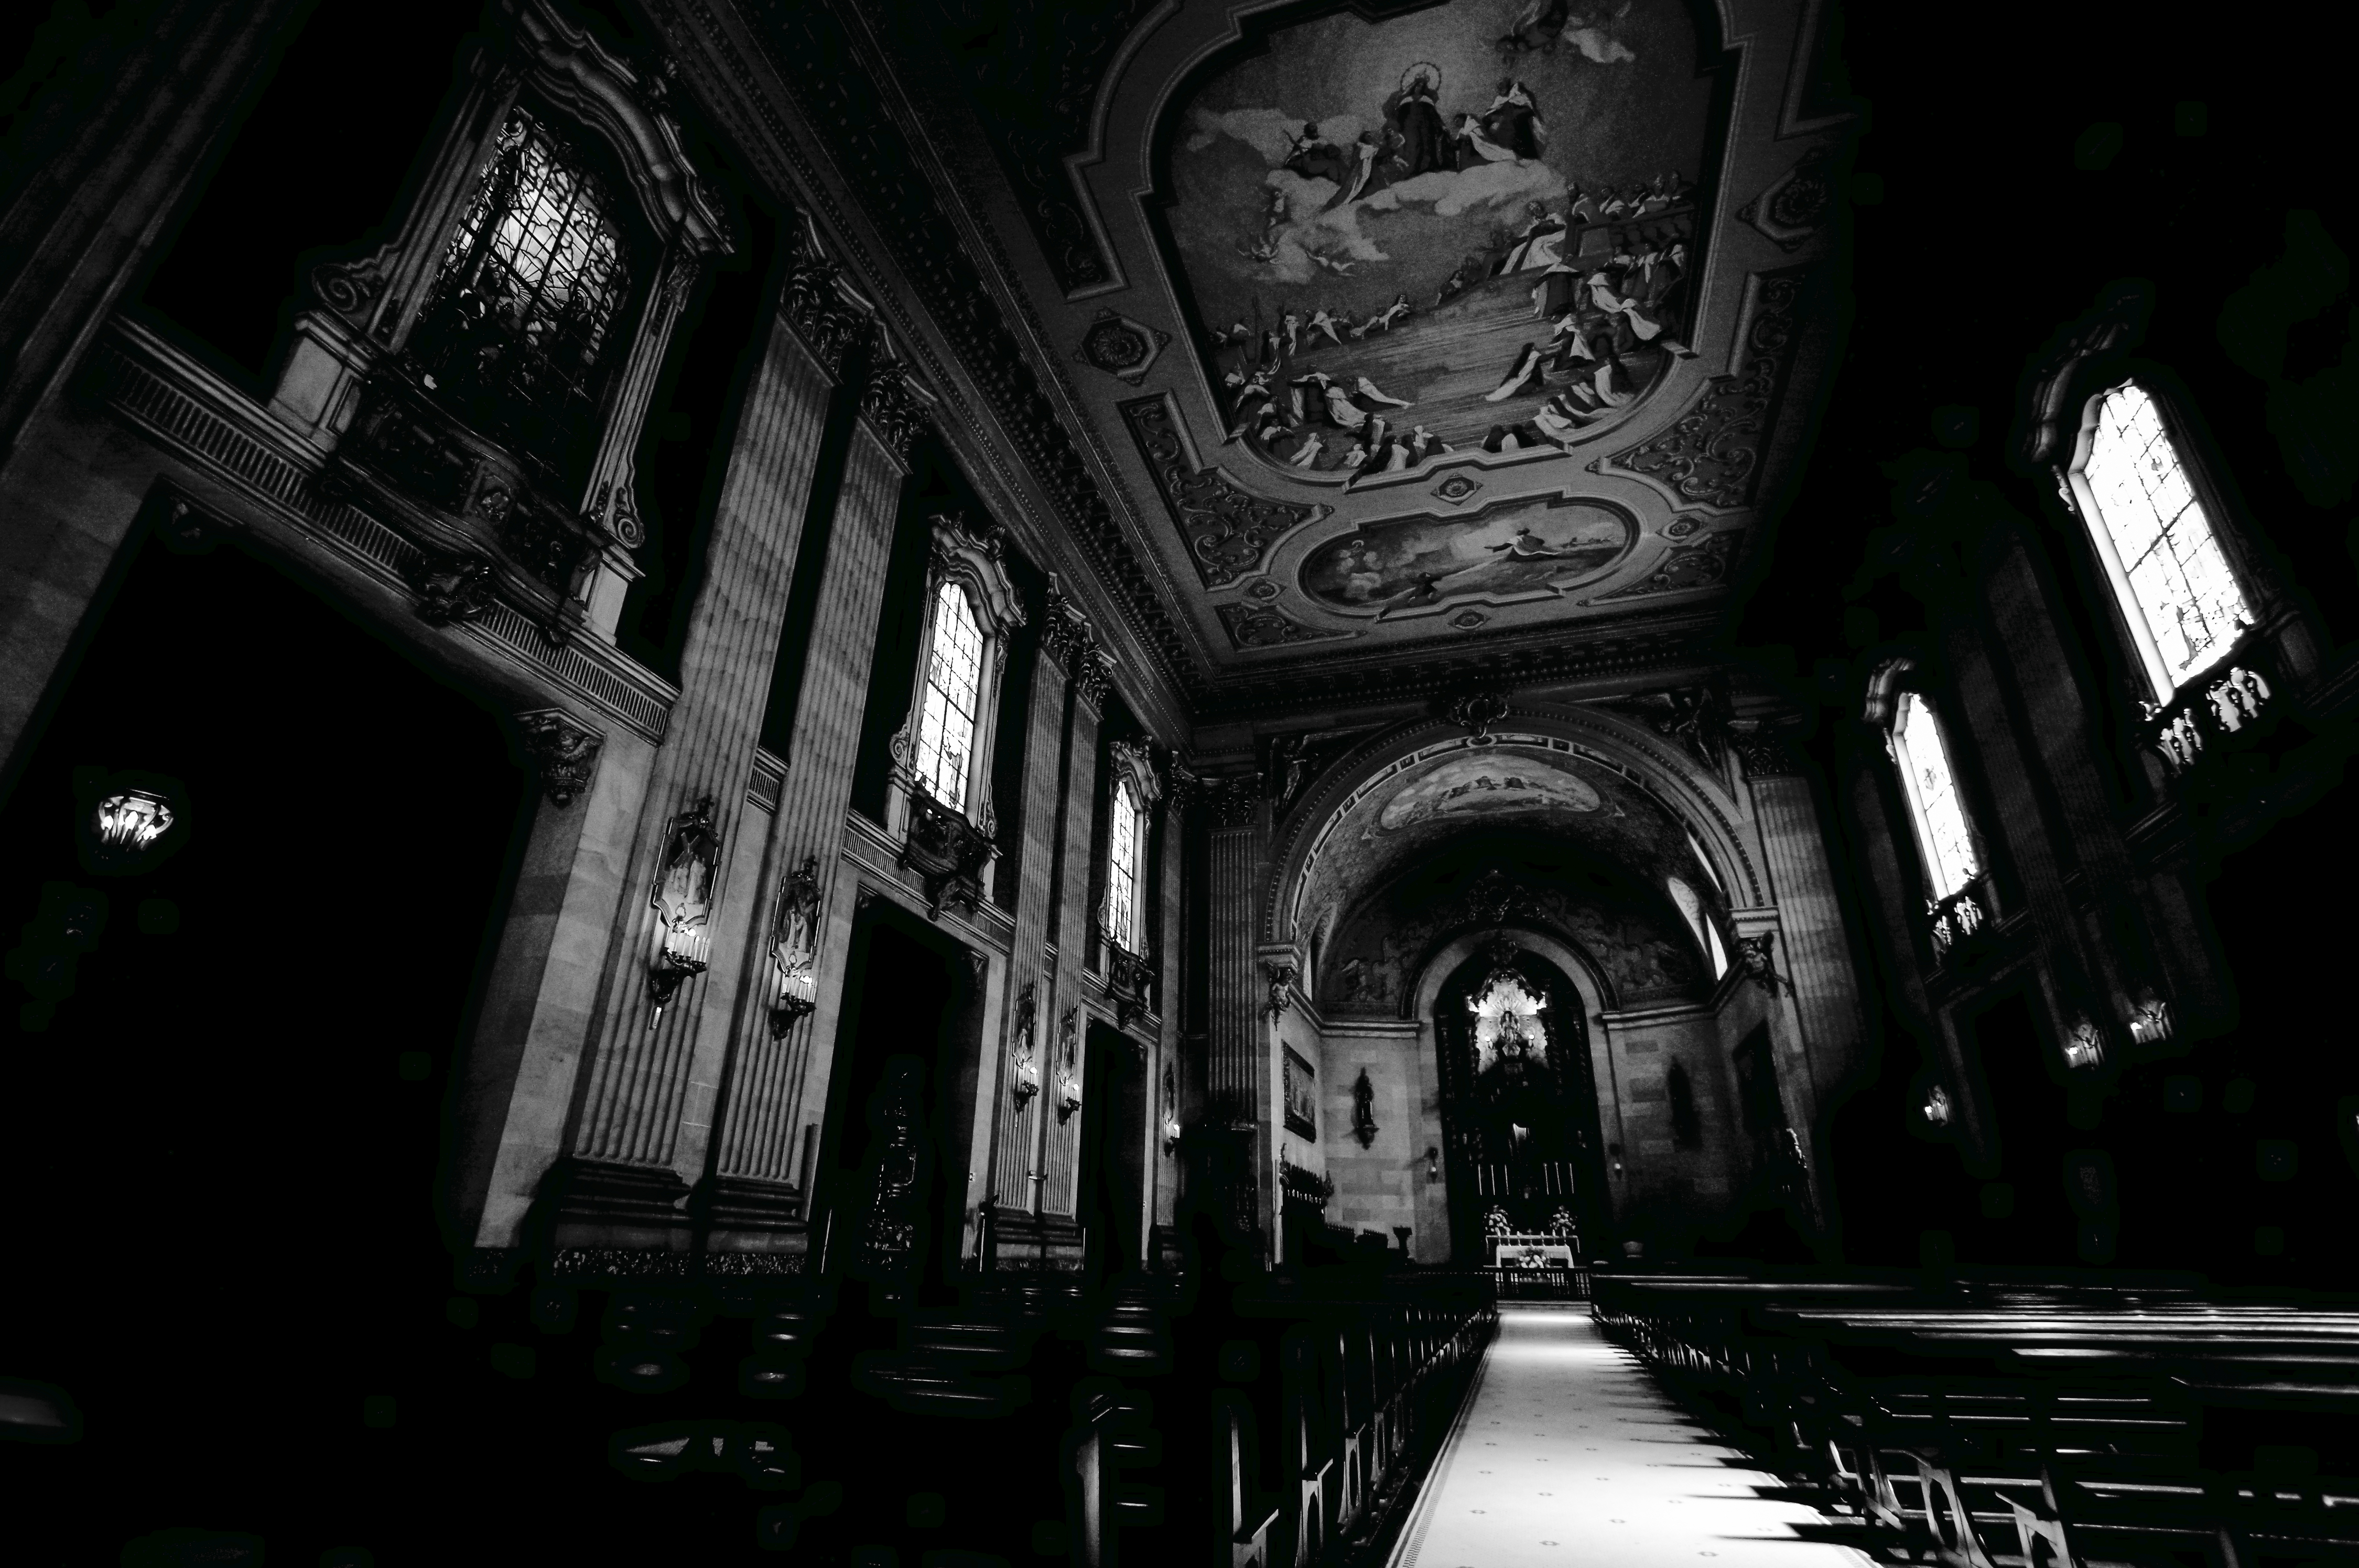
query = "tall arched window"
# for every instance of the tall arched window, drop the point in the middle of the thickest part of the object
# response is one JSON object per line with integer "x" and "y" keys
{"x": 518, "y": 331}
{"x": 954, "y": 693}
{"x": 1123, "y": 836}
{"x": 1945, "y": 843}
{"x": 2176, "y": 592}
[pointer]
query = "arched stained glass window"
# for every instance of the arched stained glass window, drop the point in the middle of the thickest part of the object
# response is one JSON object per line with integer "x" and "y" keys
{"x": 519, "y": 333}
{"x": 1944, "y": 841}
{"x": 2177, "y": 592}
{"x": 1122, "y": 868}
{"x": 953, "y": 692}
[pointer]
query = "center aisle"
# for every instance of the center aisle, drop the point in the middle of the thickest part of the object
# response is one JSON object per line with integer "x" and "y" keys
{"x": 1568, "y": 1454}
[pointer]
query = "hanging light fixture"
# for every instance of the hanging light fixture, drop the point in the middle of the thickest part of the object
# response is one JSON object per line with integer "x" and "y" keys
{"x": 129, "y": 822}
{"x": 125, "y": 819}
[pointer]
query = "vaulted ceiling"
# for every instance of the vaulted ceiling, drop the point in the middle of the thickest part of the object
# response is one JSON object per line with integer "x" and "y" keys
{"x": 1371, "y": 350}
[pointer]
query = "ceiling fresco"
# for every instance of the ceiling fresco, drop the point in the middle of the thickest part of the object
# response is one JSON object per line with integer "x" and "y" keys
{"x": 1401, "y": 338}
{"x": 1467, "y": 228}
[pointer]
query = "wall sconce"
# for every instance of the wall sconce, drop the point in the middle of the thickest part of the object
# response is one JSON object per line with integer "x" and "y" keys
{"x": 794, "y": 947}
{"x": 1433, "y": 1163}
{"x": 1068, "y": 1081}
{"x": 1024, "y": 1077}
{"x": 681, "y": 958}
{"x": 683, "y": 903}
{"x": 1937, "y": 1106}
{"x": 2150, "y": 1023}
{"x": 1170, "y": 1132}
{"x": 2086, "y": 1046}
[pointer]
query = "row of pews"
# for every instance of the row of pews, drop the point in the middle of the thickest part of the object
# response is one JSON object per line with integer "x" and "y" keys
{"x": 1981, "y": 1423}
{"x": 1302, "y": 1415}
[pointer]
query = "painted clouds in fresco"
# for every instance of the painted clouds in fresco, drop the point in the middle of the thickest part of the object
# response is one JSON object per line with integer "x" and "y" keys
{"x": 1617, "y": 93}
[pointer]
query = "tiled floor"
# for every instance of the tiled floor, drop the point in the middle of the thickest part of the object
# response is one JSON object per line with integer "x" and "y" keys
{"x": 1569, "y": 1455}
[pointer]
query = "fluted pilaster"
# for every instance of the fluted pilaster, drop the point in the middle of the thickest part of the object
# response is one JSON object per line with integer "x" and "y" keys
{"x": 1015, "y": 1159}
{"x": 1817, "y": 958}
{"x": 1060, "y": 1155}
{"x": 777, "y": 1082}
{"x": 638, "y": 1101}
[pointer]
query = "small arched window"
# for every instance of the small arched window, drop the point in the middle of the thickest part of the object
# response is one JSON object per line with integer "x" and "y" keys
{"x": 520, "y": 328}
{"x": 1945, "y": 841}
{"x": 954, "y": 693}
{"x": 2178, "y": 593}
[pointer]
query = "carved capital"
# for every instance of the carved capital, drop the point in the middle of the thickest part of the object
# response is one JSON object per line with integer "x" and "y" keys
{"x": 893, "y": 411}
{"x": 1092, "y": 679}
{"x": 565, "y": 750}
{"x": 1185, "y": 790}
{"x": 1064, "y": 629}
{"x": 816, "y": 313}
{"x": 1765, "y": 751}
{"x": 1235, "y": 801}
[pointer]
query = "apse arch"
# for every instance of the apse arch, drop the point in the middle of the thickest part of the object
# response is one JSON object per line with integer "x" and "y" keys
{"x": 1387, "y": 762}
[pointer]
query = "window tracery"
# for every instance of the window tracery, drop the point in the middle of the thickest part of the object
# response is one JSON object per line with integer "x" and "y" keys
{"x": 1124, "y": 834}
{"x": 519, "y": 325}
{"x": 2178, "y": 593}
{"x": 1944, "y": 838}
{"x": 953, "y": 693}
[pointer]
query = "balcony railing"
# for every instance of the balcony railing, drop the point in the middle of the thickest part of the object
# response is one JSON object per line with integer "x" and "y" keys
{"x": 2216, "y": 713}
{"x": 1129, "y": 979}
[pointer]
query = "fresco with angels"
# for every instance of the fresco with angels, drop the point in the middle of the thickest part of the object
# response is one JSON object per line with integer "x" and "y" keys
{"x": 1470, "y": 226}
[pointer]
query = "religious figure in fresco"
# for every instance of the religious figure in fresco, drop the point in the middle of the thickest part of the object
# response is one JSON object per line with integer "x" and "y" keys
{"x": 1415, "y": 216}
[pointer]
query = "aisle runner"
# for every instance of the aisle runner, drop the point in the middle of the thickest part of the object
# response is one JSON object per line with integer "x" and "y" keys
{"x": 1568, "y": 1455}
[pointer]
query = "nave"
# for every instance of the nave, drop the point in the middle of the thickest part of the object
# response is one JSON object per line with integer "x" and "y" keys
{"x": 1569, "y": 1452}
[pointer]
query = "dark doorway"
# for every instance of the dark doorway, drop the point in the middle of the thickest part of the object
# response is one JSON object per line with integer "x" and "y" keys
{"x": 907, "y": 1025}
{"x": 221, "y": 1167}
{"x": 1518, "y": 1104}
{"x": 1114, "y": 1175}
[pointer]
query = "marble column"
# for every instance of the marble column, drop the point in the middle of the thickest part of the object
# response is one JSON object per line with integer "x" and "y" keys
{"x": 643, "y": 1120}
{"x": 1060, "y": 1152}
{"x": 777, "y": 1084}
{"x": 1063, "y": 634}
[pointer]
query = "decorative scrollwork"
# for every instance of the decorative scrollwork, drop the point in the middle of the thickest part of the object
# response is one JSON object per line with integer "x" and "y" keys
{"x": 566, "y": 751}
{"x": 948, "y": 853}
{"x": 893, "y": 410}
{"x": 451, "y": 588}
{"x": 1263, "y": 626}
{"x": 817, "y": 314}
{"x": 1228, "y": 529}
{"x": 1711, "y": 453}
{"x": 1704, "y": 564}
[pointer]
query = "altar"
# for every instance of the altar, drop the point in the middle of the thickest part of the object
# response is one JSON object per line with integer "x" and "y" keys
{"x": 1545, "y": 1250}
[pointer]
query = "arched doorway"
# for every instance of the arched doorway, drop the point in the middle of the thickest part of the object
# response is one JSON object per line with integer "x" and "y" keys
{"x": 1518, "y": 1103}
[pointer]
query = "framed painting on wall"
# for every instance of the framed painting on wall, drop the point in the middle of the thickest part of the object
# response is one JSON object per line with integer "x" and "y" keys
{"x": 1301, "y": 1097}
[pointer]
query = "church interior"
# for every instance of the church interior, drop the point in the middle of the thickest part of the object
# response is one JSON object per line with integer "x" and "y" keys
{"x": 975, "y": 782}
